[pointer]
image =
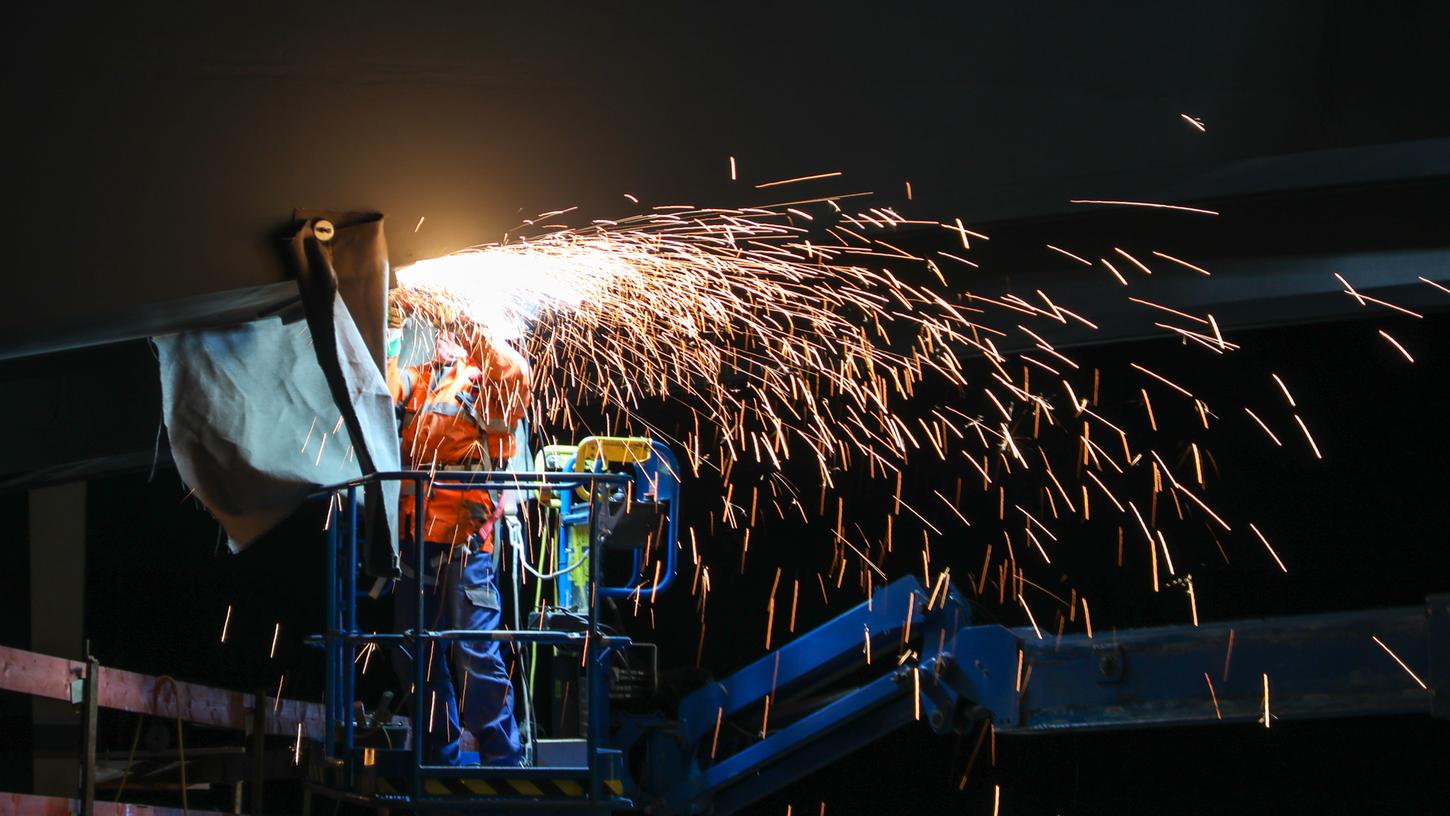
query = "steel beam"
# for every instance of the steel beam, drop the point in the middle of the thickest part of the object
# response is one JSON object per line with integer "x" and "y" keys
{"x": 49, "y": 677}
{"x": 23, "y": 804}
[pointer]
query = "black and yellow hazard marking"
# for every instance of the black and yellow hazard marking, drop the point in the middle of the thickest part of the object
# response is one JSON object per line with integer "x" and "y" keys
{"x": 370, "y": 782}
{"x": 536, "y": 788}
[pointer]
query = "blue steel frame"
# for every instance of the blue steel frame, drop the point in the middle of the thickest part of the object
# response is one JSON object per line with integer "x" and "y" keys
{"x": 341, "y": 639}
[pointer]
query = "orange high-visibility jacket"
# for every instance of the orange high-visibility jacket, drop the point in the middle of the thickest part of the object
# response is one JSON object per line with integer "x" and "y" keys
{"x": 457, "y": 415}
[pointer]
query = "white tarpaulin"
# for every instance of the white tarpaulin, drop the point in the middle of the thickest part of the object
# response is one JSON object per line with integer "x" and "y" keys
{"x": 253, "y": 426}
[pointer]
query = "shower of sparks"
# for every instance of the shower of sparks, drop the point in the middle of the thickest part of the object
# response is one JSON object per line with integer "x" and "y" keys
{"x": 811, "y": 340}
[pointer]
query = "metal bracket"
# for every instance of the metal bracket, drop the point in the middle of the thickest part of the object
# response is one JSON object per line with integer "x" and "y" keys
{"x": 1112, "y": 661}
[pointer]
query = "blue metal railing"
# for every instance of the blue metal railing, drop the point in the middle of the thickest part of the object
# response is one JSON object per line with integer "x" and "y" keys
{"x": 661, "y": 472}
{"x": 342, "y": 637}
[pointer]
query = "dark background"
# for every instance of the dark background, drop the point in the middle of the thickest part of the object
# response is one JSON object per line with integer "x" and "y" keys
{"x": 152, "y": 150}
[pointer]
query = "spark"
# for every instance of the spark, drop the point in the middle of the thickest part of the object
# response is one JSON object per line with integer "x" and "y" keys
{"x": 1028, "y": 609}
{"x": 1285, "y": 389}
{"x": 1161, "y": 307}
{"x": 1397, "y": 659}
{"x": 1114, "y": 270}
{"x": 1255, "y": 417}
{"x": 1364, "y": 300}
{"x": 1266, "y": 700}
{"x": 1396, "y": 344}
{"x": 1134, "y": 261}
{"x": 1308, "y": 436}
{"x": 1160, "y": 378}
{"x": 916, "y": 686}
{"x": 419, "y": 225}
{"x": 732, "y": 169}
{"x": 226, "y": 622}
{"x": 976, "y": 749}
{"x": 1078, "y": 258}
{"x": 815, "y": 177}
{"x": 1192, "y": 599}
{"x": 308, "y": 440}
{"x": 1265, "y": 542}
{"x": 1434, "y": 284}
{"x": 1196, "y": 500}
{"x": 1197, "y": 124}
{"x": 1213, "y": 696}
{"x": 1177, "y": 207}
{"x": 1228, "y": 654}
{"x": 1165, "y": 256}
{"x": 276, "y": 630}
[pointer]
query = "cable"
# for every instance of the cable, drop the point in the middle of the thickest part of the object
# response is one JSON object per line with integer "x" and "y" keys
{"x": 131, "y": 757}
{"x": 539, "y": 608}
{"x": 523, "y": 559}
{"x": 515, "y": 535}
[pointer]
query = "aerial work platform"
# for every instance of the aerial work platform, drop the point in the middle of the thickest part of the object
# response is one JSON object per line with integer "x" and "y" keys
{"x": 911, "y": 655}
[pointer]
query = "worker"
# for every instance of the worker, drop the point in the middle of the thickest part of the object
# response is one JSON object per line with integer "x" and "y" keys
{"x": 457, "y": 411}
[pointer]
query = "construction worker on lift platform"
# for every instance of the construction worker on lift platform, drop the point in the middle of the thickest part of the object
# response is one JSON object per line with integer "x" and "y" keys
{"x": 457, "y": 411}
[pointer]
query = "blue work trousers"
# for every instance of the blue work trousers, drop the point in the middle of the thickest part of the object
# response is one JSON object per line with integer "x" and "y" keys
{"x": 458, "y": 593}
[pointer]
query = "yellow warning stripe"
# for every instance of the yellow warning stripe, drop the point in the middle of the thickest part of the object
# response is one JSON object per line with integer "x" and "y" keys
{"x": 569, "y": 787}
{"x": 535, "y": 788}
{"x": 479, "y": 786}
{"x": 525, "y": 787}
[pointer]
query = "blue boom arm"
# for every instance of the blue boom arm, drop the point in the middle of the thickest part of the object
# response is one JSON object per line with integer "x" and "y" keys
{"x": 927, "y": 661}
